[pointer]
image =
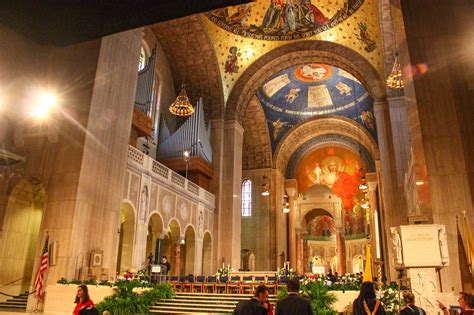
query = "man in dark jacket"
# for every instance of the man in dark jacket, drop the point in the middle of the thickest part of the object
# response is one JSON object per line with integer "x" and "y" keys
{"x": 411, "y": 308}
{"x": 254, "y": 306}
{"x": 294, "y": 303}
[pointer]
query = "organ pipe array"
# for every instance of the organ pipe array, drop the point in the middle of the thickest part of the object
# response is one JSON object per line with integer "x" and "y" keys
{"x": 192, "y": 136}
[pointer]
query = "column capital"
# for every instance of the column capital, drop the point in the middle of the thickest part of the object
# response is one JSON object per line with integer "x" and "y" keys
{"x": 291, "y": 187}
{"x": 234, "y": 124}
{"x": 380, "y": 105}
{"x": 371, "y": 179}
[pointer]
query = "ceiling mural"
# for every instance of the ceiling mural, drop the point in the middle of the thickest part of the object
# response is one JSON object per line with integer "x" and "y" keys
{"x": 242, "y": 34}
{"x": 283, "y": 19}
{"x": 300, "y": 92}
{"x": 339, "y": 169}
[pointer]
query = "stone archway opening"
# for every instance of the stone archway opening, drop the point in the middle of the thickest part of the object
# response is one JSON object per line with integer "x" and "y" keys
{"x": 154, "y": 245}
{"x": 127, "y": 238}
{"x": 207, "y": 254}
{"x": 21, "y": 234}
{"x": 172, "y": 247}
{"x": 188, "y": 250}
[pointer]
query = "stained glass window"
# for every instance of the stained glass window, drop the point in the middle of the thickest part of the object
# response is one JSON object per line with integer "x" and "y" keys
{"x": 246, "y": 198}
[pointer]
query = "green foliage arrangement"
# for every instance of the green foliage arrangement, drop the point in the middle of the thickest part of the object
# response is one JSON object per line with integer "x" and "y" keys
{"x": 134, "y": 297}
{"x": 318, "y": 292}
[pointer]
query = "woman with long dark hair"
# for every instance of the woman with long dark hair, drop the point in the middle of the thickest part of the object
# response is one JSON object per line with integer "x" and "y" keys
{"x": 83, "y": 302}
{"x": 367, "y": 303}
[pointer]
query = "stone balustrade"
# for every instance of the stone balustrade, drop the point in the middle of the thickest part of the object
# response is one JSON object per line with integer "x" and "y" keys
{"x": 142, "y": 163}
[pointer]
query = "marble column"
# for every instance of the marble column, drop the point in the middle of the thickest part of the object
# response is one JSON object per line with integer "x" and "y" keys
{"x": 371, "y": 180}
{"x": 392, "y": 214}
{"x": 291, "y": 190}
{"x": 440, "y": 102}
{"x": 198, "y": 253}
{"x": 139, "y": 248}
{"x": 341, "y": 251}
{"x": 217, "y": 141}
{"x": 304, "y": 245}
{"x": 230, "y": 206}
{"x": 299, "y": 252}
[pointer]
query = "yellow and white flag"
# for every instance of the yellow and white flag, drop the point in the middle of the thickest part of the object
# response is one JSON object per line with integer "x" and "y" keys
{"x": 368, "y": 265}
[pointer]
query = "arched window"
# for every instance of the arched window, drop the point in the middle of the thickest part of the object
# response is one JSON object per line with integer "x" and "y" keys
{"x": 246, "y": 198}
{"x": 142, "y": 62}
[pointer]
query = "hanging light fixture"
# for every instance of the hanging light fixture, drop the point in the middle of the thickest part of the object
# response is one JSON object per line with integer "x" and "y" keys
{"x": 182, "y": 106}
{"x": 395, "y": 80}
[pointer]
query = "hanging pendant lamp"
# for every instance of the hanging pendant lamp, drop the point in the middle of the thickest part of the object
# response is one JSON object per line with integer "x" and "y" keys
{"x": 182, "y": 106}
{"x": 395, "y": 80}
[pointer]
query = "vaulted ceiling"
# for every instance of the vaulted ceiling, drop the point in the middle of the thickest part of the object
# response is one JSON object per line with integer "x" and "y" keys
{"x": 198, "y": 66}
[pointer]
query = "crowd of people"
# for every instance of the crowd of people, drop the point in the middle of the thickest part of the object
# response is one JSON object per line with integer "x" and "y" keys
{"x": 294, "y": 304}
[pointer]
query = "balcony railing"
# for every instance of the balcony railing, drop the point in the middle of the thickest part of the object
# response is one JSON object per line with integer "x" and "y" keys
{"x": 164, "y": 175}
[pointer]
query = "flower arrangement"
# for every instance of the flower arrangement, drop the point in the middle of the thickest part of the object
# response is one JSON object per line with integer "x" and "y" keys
{"x": 286, "y": 271}
{"x": 224, "y": 271}
{"x": 347, "y": 282}
{"x": 389, "y": 296}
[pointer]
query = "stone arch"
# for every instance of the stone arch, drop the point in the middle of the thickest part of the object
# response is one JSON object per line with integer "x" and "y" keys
{"x": 127, "y": 236}
{"x": 207, "y": 253}
{"x": 155, "y": 231}
{"x": 329, "y": 140}
{"x": 316, "y": 212}
{"x": 21, "y": 234}
{"x": 318, "y": 126}
{"x": 175, "y": 225}
{"x": 157, "y": 213}
{"x": 297, "y": 53}
{"x": 188, "y": 249}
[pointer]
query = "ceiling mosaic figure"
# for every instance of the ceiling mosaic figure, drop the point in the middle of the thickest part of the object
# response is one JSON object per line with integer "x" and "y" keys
{"x": 258, "y": 27}
{"x": 283, "y": 19}
{"x": 304, "y": 91}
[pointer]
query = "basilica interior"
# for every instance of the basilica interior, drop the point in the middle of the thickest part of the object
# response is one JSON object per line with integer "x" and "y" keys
{"x": 248, "y": 135}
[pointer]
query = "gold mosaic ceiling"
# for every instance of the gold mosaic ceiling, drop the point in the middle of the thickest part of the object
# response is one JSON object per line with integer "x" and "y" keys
{"x": 243, "y": 33}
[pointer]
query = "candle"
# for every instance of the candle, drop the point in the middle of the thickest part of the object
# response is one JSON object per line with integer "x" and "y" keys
{"x": 223, "y": 265}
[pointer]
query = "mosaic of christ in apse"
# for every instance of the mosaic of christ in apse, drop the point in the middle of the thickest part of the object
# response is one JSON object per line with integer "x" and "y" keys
{"x": 339, "y": 169}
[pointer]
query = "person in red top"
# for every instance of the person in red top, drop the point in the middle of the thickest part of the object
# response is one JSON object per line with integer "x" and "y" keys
{"x": 82, "y": 300}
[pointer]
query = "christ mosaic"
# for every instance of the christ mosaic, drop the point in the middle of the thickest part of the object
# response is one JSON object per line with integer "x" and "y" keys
{"x": 339, "y": 169}
{"x": 284, "y": 19}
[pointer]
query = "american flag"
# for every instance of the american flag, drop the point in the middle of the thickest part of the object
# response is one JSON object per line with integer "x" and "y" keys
{"x": 42, "y": 269}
